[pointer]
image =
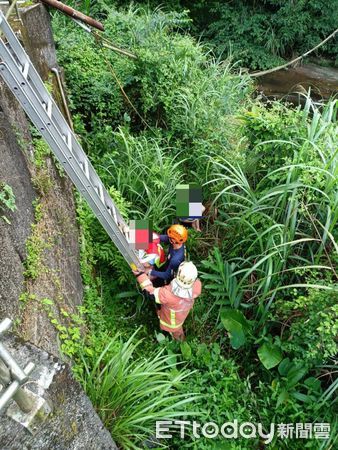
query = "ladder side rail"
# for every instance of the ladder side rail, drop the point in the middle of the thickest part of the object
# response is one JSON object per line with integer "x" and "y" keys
{"x": 14, "y": 55}
{"x": 74, "y": 171}
{"x": 111, "y": 205}
{"x": 20, "y": 56}
{"x": 96, "y": 181}
{"x": 14, "y": 51}
{"x": 9, "y": 57}
{"x": 44, "y": 97}
{"x": 21, "y": 61}
{"x": 11, "y": 38}
{"x": 76, "y": 148}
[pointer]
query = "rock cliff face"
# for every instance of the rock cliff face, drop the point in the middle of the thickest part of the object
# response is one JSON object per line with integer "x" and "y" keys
{"x": 52, "y": 267}
{"x": 39, "y": 263}
{"x": 14, "y": 171}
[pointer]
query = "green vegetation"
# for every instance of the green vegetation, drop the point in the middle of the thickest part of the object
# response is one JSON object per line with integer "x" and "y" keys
{"x": 131, "y": 392}
{"x": 7, "y": 200}
{"x": 69, "y": 330}
{"x": 35, "y": 247}
{"x": 261, "y": 34}
{"x": 261, "y": 341}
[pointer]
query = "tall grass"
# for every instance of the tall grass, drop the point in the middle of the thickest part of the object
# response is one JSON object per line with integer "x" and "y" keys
{"x": 130, "y": 394}
{"x": 284, "y": 227}
{"x": 146, "y": 175}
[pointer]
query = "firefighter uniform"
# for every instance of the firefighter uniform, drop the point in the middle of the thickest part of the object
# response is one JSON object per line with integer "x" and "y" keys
{"x": 174, "y": 308}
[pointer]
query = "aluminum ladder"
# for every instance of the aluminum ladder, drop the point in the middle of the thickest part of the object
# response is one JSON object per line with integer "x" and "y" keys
{"x": 25, "y": 83}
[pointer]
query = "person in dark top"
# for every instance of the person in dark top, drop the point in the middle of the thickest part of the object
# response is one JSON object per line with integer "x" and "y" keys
{"x": 193, "y": 222}
{"x": 176, "y": 237}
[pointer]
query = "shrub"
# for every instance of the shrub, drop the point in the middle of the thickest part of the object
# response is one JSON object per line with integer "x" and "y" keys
{"x": 173, "y": 90}
{"x": 309, "y": 326}
{"x": 262, "y": 34}
{"x": 281, "y": 226}
{"x": 132, "y": 394}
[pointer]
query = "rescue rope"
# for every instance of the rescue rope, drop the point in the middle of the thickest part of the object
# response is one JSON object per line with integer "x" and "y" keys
{"x": 126, "y": 96}
{"x": 284, "y": 66}
{"x": 106, "y": 43}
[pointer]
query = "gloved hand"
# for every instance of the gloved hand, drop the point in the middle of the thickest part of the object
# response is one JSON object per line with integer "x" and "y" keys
{"x": 137, "y": 273}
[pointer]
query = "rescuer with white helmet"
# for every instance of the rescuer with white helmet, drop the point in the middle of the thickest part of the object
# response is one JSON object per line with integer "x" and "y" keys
{"x": 176, "y": 299}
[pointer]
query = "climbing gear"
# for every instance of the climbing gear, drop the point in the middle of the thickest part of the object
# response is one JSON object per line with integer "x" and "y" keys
{"x": 25, "y": 83}
{"x": 178, "y": 233}
{"x": 184, "y": 281}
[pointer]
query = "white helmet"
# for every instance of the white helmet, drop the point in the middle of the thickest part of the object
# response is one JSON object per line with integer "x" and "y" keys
{"x": 185, "y": 278}
{"x": 186, "y": 274}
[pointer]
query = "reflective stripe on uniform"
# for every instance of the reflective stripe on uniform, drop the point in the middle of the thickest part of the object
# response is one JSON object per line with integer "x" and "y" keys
{"x": 173, "y": 323}
{"x": 145, "y": 283}
{"x": 157, "y": 295}
{"x": 173, "y": 318}
{"x": 178, "y": 325}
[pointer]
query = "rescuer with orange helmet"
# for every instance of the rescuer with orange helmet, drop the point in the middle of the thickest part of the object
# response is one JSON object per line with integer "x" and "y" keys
{"x": 176, "y": 236}
{"x": 175, "y": 300}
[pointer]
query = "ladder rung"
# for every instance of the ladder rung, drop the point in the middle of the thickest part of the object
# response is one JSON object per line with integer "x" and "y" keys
{"x": 101, "y": 192}
{"x": 114, "y": 213}
{"x": 48, "y": 107}
{"x": 86, "y": 168}
{"x": 25, "y": 70}
{"x": 23, "y": 80}
{"x": 69, "y": 142}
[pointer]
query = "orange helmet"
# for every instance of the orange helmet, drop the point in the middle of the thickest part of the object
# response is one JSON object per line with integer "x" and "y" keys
{"x": 178, "y": 233}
